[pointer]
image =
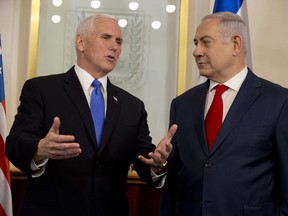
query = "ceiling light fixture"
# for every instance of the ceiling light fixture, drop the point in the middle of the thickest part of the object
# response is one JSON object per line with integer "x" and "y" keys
{"x": 170, "y": 8}
{"x": 56, "y": 18}
{"x": 57, "y": 3}
{"x": 122, "y": 23}
{"x": 95, "y": 4}
{"x": 133, "y": 5}
{"x": 156, "y": 24}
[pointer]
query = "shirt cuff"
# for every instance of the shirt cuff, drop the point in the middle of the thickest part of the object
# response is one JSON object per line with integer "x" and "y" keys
{"x": 158, "y": 179}
{"x": 38, "y": 168}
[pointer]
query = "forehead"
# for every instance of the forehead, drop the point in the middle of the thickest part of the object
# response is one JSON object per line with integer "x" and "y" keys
{"x": 107, "y": 25}
{"x": 209, "y": 27}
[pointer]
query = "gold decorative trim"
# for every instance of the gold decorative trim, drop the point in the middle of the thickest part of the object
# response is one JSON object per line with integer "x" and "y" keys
{"x": 182, "y": 49}
{"x": 33, "y": 42}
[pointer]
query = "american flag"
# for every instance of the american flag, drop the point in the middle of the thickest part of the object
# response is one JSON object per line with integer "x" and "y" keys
{"x": 5, "y": 186}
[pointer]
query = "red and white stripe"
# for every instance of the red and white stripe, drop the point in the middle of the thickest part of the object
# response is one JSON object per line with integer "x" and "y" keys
{"x": 5, "y": 186}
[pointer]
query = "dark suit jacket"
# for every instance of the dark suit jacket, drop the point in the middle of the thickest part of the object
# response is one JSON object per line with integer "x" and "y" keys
{"x": 93, "y": 183}
{"x": 246, "y": 173}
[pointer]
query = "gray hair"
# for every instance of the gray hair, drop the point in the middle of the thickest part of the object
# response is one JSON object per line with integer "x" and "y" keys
{"x": 231, "y": 24}
{"x": 87, "y": 24}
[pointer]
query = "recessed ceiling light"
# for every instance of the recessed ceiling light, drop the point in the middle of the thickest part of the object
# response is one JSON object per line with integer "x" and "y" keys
{"x": 56, "y": 18}
{"x": 122, "y": 22}
{"x": 57, "y": 3}
{"x": 133, "y": 5}
{"x": 156, "y": 24}
{"x": 170, "y": 8}
{"x": 95, "y": 4}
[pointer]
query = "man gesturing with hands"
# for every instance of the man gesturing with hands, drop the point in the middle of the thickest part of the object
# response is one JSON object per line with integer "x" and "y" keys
{"x": 53, "y": 138}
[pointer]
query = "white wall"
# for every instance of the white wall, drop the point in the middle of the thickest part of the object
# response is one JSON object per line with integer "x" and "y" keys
{"x": 6, "y": 31}
{"x": 269, "y": 32}
{"x": 14, "y": 25}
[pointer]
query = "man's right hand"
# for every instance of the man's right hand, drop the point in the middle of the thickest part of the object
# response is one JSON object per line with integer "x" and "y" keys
{"x": 57, "y": 146}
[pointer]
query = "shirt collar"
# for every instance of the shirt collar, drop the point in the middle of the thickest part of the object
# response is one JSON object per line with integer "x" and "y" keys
{"x": 86, "y": 79}
{"x": 235, "y": 82}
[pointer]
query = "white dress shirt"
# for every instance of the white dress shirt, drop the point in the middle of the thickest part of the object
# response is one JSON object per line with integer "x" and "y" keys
{"x": 86, "y": 80}
{"x": 229, "y": 95}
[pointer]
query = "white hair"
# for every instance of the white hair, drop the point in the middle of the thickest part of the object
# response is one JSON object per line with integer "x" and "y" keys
{"x": 231, "y": 24}
{"x": 87, "y": 24}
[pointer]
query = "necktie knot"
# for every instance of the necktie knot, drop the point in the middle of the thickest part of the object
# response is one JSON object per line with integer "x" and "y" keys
{"x": 220, "y": 89}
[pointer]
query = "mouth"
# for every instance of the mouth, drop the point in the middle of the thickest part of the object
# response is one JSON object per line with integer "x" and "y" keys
{"x": 110, "y": 58}
{"x": 201, "y": 63}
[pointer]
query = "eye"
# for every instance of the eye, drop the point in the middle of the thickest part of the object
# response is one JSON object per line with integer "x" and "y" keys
{"x": 106, "y": 37}
{"x": 206, "y": 42}
{"x": 119, "y": 41}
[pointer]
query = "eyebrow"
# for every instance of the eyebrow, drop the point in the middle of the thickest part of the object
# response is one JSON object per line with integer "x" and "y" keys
{"x": 203, "y": 38}
{"x": 106, "y": 34}
{"x": 110, "y": 36}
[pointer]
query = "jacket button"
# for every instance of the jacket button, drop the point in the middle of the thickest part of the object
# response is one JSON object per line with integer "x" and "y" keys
{"x": 98, "y": 164}
{"x": 207, "y": 165}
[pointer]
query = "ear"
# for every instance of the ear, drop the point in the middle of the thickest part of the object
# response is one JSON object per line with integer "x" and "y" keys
{"x": 79, "y": 43}
{"x": 237, "y": 42}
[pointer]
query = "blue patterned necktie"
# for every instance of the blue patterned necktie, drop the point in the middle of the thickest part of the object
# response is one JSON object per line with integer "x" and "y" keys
{"x": 97, "y": 109}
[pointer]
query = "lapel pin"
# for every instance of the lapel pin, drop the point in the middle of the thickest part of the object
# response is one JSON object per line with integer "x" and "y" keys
{"x": 115, "y": 98}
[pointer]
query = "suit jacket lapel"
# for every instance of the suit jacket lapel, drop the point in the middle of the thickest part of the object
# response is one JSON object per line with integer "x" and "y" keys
{"x": 248, "y": 93}
{"x": 112, "y": 113}
{"x": 76, "y": 94}
{"x": 201, "y": 92}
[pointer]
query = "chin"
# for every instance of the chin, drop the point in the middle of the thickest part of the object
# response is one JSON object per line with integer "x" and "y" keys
{"x": 203, "y": 73}
{"x": 109, "y": 69}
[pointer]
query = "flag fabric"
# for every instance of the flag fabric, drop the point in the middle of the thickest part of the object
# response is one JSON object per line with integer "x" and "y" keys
{"x": 5, "y": 184}
{"x": 238, "y": 7}
{"x": 227, "y": 5}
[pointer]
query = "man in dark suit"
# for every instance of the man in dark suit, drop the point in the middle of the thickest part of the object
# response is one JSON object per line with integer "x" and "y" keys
{"x": 246, "y": 170}
{"x": 54, "y": 142}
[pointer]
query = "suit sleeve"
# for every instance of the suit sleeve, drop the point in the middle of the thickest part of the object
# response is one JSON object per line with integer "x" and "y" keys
{"x": 143, "y": 147}
{"x": 169, "y": 191}
{"x": 282, "y": 156}
{"x": 27, "y": 130}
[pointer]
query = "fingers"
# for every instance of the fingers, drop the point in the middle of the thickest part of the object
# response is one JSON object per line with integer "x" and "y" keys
{"x": 155, "y": 160}
{"x": 171, "y": 132}
{"x": 53, "y": 149}
{"x": 57, "y": 146}
{"x": 155, "y": 163}
{"x": 156, "y": 166}
{"x": 64, "y": 150}
{"x": 158, "y": 159}
{"x": 164, "y": 148}
{"x": 56, "y": 125}
{"x": 145, "y": 160}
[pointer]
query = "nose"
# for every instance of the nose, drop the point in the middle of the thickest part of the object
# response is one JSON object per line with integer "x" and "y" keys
{"x": 198, "y": 51}
{"x": 114, "y": 45}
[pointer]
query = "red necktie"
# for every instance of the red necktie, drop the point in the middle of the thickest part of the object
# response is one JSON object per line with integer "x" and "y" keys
{"x": 214, "y": 116}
